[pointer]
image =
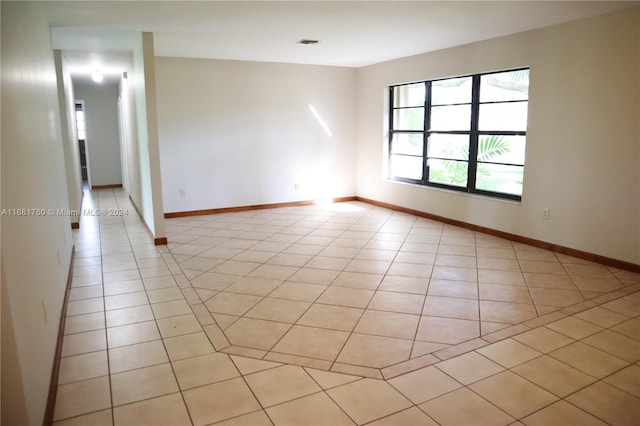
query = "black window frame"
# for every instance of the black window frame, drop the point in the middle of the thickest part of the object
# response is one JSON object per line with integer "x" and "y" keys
{"x": 474, "y": 135}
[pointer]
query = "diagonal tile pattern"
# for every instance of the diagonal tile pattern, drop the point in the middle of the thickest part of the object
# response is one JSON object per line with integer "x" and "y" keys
{"x": 339, "y": 314}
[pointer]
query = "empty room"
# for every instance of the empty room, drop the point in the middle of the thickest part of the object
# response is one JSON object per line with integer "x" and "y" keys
{"x": 320, "y": 213}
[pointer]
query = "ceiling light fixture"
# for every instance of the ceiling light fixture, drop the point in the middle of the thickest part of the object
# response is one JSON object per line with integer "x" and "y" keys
{"x": 307, "y": 41}
{"x": 97, "y": 76}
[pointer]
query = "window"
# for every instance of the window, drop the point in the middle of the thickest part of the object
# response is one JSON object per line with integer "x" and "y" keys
{"x": 80, "y": 124}
{"x": 463, "y": 133}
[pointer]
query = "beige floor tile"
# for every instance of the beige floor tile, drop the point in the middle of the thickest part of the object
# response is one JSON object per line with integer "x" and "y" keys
{"x": 602, "y": 317}
{"x": 257, "y": 418}
{"x": 374, "y": 351}
{"x": 561, "y": 413}
{"x": 469, "y": 368}
{"x": 418, "y": 258}
{"x": 543, "y": 339}
{"x": 129, "y": 316}
{"x": 457, "y": 250}
{"x": 504, "y": 293}
{"x": 453, "y": 289}
{"x": 628, "y": 306}
{"x": 515, "y": 395}
{"x": 136, "y": 356}
{"x": 142, "y": 383}
{"x": 99, "y": 418}
{"x": 164, "y": 295}
{"x": 368, "y": 399}
{"x": 615, "y": 344}
{"x": 554, "y": 376}
{"x": 170, "y": 309}
{"x": 214, "y": 281}
{"x": 608, "y": 403}
{"x": 232, "y": 303}
{"x": 627, "y": 379}
{"x": 332, "y": 317}
{"x": 310, "y": 410}
{"x": 254, "y": 333}
{"x": 255, "y": 286}
{"x": 220, "y": 401}
{"x": 124, "y": 287}
{"x": 328, "y": 379}
{"x": 555, "y": 297}
{"x": 132, "y": 333}
{"x": 88, "y": 292}
{"x": 85, "y": 322}
{"x": 324, "y": 262}
{"x": 235, "y": 267}
{"x": 411, "y": 416}
{"x": 557, "y": 281}
{"x": 176, "y": 326}
{"x": 424, "y": 384}
{"x": 506, "y": 312}
{"x": 199, "y": 263}
{"x": 80, "y": 343}
{"x": 498, "y": 264}
{"x": 447, "y": 330}
{"x": 168, "y": 410}
{"x": 509, "y": 353}
{"x": 204, "y": 370}
{"x": 596, "y": 284}
{"x": 397, "y": 302}
{"x": 273, "y": 272}
{"x": 463, "y": 407}
{"x": 451, "y": 307}
{"x": 389, "y": 324}
{"x": 512, "y": 278}
{"x": 312, "y": 342}
{"x": 119, "y": 276}
{"x": 400, "y": 284}
{"x": 542, "y": 267}
{"x": 344, "y": 296}
{"x": 127, "y": 300}
{"x": 455, "y": 260}
{"x": 314, "y": 276}
{"x": 82, "y": 367}
{"x": 281, "y": 384}
{"x": 453, "y": 273}
{"x": 298, "y": 291}
{"x": 281, "y": 310}
{"x": 187, "y": 346}
{"x": 574, "y": 327}
{"x": 82, "y": 397}
{"x": 588, "y": 359}
{"x": 368, "y": 281}
{"x": 417, "y": 270}
{"x": 159, "y": 282}
{"x": 250, "y": 365}
{"x": 85, "y": 306}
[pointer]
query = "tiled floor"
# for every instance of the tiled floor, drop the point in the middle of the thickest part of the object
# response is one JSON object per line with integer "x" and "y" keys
{"x": 340, "y": 314}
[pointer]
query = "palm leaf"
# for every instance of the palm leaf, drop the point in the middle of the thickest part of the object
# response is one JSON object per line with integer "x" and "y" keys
{"x": 492, "y": 146}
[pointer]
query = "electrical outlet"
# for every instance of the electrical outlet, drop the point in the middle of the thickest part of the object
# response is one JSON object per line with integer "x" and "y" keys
{"x": 545, "y": 214}
{"x": 183, "y": 192}
{"x": 296, "y": 186}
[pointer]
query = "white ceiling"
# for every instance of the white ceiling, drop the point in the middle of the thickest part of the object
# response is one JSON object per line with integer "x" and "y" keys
{"x": 352, "y": 33}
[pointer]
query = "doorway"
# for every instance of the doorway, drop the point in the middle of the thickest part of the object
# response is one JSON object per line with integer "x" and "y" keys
{"x": 81, "y": 126}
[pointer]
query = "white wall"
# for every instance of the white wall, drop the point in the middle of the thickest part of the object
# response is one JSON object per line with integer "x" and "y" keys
{"x": 103, "y": 140}
{"x": 137, "y": 100}
{"x": 235, "y": 133}
{"x": 66, "y": 102}
{"x": 583, "y": 150}
{"x": 36, "y": 250}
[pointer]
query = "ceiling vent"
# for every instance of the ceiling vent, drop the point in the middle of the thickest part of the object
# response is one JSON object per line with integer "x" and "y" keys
{"x": 308, "y": 41}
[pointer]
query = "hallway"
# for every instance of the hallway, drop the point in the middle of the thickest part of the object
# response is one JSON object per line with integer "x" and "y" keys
{"x": 339, "y": 314}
